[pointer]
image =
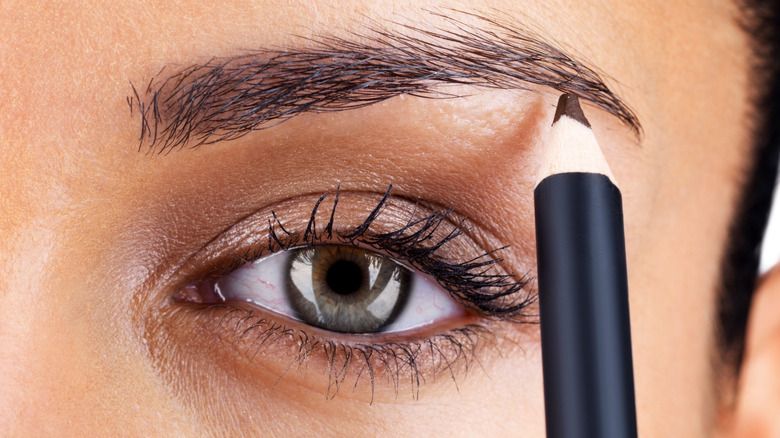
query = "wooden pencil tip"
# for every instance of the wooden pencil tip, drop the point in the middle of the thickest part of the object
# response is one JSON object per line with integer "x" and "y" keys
{"x": 572, "y": 146}
{"x": 569, "y": 105}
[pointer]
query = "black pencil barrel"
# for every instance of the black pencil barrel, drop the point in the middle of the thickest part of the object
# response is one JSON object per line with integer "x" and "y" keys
{"x": 583, "y": 298}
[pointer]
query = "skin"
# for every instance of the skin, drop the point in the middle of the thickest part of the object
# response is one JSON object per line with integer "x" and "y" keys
{"x": 94, "y": 231}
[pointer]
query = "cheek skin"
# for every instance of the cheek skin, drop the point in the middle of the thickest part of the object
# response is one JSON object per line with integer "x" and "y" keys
{"x": 75, "y": 362}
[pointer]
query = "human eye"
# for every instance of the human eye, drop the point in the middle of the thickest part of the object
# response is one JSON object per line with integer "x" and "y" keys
{"x": 341, "y": 288}
{"x": 404, "y": 290}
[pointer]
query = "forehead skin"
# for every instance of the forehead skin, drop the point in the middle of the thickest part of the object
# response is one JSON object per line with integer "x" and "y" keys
{"x": 86, "y": 217}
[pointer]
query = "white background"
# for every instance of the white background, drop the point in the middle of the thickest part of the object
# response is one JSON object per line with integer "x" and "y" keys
{"x": 770, "y": 253}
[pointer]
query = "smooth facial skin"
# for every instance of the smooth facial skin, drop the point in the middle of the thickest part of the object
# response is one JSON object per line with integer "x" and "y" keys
{"x": 98, "y": 238}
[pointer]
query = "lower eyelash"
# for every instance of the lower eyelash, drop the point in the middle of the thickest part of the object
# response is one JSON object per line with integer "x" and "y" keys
{"x": 450, "y": 354}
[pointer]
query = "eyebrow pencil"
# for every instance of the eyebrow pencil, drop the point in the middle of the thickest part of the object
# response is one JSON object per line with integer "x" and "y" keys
{"x": 583, "y": 286}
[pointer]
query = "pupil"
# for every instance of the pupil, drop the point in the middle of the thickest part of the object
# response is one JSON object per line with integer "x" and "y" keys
{"x": 344, "y": 277}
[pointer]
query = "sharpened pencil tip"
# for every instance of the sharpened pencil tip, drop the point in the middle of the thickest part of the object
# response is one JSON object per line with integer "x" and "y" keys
{"x": 571, "y": 146}
{"x": 569, "y": 105}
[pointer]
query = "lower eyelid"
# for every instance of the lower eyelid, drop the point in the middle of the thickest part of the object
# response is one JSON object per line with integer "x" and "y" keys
{"x": 378, "y": 367}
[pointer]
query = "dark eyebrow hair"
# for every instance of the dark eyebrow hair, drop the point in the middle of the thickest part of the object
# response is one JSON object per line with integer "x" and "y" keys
{"x": 229, "y": 97}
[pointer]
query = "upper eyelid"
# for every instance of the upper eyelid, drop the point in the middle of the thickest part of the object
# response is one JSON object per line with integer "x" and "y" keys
{"x": 252, "y": 236}
{"x": 254, "y": 224}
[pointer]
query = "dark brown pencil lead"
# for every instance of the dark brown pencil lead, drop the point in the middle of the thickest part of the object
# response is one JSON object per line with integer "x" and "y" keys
{"x": 569, "y": 105}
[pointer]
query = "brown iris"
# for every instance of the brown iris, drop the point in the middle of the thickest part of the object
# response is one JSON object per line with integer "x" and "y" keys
{"x": 346, "y": 289}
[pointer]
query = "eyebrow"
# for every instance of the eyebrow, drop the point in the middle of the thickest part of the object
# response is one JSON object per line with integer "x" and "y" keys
{"x": 229, "y": 97}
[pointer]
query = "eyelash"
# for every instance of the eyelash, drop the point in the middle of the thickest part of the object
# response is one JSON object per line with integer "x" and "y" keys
{"x": 452, "y": 352}
{"x": 490, "y": 295}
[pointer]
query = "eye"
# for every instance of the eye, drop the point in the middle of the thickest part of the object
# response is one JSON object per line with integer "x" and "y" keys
{"x": 338, "y": 288}
{"x": 380, "y": 293}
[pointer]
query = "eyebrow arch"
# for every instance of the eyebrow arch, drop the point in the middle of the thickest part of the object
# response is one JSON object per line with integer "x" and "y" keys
{"x": 229, "y": 97}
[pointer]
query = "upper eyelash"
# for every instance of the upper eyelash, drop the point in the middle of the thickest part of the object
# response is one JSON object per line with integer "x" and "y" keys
{"x": 472, "y": 282}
